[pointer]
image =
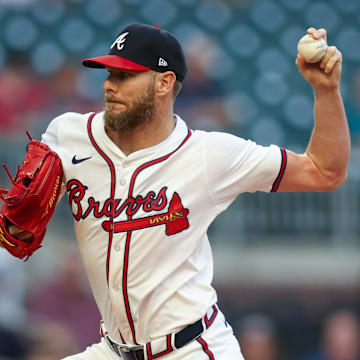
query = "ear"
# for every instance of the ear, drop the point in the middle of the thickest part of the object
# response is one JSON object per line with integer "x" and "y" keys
{"x": 164, "y": 83}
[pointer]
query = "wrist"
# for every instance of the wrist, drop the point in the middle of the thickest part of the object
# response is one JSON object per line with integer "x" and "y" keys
{"x": 320, "y": 90}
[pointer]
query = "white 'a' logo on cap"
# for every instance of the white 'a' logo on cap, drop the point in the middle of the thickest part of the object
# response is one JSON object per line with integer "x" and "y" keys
{"x": 119, "y": 42}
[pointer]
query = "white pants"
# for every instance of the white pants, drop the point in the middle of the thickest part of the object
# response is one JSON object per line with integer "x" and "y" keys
{"x": 216, "y": 343}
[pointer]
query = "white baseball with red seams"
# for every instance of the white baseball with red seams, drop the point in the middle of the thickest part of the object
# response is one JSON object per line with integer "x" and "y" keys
{"x": 312, "y": 50}
{"x": 141, "y": 224}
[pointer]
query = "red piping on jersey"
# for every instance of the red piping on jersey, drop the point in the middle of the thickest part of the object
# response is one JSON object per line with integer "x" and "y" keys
{"x": 281, "y": 172}
{"x": 122, "y": 339}
{"x": 128, "y": 237}
{"x": 205, "y": 347}
{"x": 208, "y": 322}
{"x": 112, "y": 194}
{"x": 112, "y": 190}
{"x": 169, "y": 349}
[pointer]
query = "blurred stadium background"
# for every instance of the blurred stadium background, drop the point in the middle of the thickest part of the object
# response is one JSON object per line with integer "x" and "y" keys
{"x": 287, "y": 266}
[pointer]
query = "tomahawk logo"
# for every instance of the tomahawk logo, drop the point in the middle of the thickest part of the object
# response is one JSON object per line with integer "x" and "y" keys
{"x": 119, "y": 42}
{"x": 175, "y": 220}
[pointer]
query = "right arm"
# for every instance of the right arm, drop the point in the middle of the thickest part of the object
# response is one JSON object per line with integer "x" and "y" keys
{"x": 323, "y": 166}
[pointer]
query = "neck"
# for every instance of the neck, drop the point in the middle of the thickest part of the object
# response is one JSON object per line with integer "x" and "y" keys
{"x": 145, "y": 135}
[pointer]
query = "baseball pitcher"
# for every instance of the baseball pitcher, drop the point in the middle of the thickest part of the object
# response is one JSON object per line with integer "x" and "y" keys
{"x": 143, "y": 189}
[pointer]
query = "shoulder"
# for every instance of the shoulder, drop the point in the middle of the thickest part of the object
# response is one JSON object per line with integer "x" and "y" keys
{"x": 224, "y": 140}
{"x": 65, "y": 127}
{"x": 231, "y": 151}
{"x": 71, "y": 118}
{"x": 217, "y": 135}
{"x": 68, "y": 123}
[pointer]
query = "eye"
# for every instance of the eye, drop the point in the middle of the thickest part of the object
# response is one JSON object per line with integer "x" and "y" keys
{"x": 124, "y": 75}
{"x": 119, "y": 74}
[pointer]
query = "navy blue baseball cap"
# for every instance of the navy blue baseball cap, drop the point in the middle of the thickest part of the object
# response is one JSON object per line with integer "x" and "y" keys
{"x": 143, "y": 47}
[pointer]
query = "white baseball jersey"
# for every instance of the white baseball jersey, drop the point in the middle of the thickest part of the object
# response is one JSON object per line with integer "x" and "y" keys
{"x": 141, "y": 220}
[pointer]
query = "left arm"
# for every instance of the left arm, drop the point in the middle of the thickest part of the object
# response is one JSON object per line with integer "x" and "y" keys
{"x": 323, "y": 166}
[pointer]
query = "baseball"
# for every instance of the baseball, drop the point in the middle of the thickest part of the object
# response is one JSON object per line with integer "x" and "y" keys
{"x": 313, "y": 50}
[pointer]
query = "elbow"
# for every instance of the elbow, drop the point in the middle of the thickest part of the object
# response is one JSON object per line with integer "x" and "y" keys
{"x": 341, "y": 180}
{"x": 335, "y": 181}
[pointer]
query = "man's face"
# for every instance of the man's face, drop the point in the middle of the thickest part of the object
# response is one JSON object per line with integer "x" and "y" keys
{"x": 129, "y": 99}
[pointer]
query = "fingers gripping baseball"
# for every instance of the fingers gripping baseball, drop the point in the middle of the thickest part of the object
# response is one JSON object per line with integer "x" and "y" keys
{"x": 319, "y": 68}
{"x": 317, "y": 34}
{"x": 331, "y": 58}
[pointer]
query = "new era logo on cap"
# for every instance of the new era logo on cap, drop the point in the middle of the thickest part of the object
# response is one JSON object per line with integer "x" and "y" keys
{"x": 143, "y": 47}
{"x": 162, "y": 62}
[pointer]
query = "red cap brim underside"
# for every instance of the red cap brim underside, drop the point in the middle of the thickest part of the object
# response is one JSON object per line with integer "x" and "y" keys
{"x": 114, "y": 61}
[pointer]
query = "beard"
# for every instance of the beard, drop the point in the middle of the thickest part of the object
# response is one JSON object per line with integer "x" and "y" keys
{"x": 140, "y": 111}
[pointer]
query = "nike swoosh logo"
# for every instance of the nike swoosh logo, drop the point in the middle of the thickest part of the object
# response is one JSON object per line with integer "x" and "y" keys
{"x": 78, "y": 161}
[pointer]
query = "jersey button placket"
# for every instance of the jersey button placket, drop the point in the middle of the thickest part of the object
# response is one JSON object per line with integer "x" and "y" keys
{"x": 123, "y": 173}
{"x": 117, "y": 246}
{"x": 116, "y": 291}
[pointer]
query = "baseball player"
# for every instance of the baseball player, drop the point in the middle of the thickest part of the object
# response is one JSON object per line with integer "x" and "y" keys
{"x": 144, "y": 188}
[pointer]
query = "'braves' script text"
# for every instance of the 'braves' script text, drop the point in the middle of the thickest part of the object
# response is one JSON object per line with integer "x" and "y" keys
{"x": 112, "y": 207}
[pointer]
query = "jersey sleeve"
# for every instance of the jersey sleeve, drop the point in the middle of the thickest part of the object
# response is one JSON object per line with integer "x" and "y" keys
{"x": 51, "y": 138}
{"x": 51, "y": 135}
{"x": 235, "y": 166}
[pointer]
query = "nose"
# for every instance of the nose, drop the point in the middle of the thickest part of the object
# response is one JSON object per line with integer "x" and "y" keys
{"x": 109, "y": 85}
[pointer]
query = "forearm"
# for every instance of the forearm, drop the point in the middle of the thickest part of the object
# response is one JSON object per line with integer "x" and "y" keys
{"x": 329, "y": 146}
{"x": 324, "y": 165}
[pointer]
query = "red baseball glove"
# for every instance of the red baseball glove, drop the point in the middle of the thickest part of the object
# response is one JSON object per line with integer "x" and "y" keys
{"x": 31, "y": 201}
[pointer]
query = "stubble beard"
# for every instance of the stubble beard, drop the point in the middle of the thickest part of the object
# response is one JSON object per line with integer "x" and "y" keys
{"x": 140, "y": 112}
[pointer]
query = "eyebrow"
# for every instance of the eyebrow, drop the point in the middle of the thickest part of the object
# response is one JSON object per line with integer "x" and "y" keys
{"x": 118, "y": 71}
